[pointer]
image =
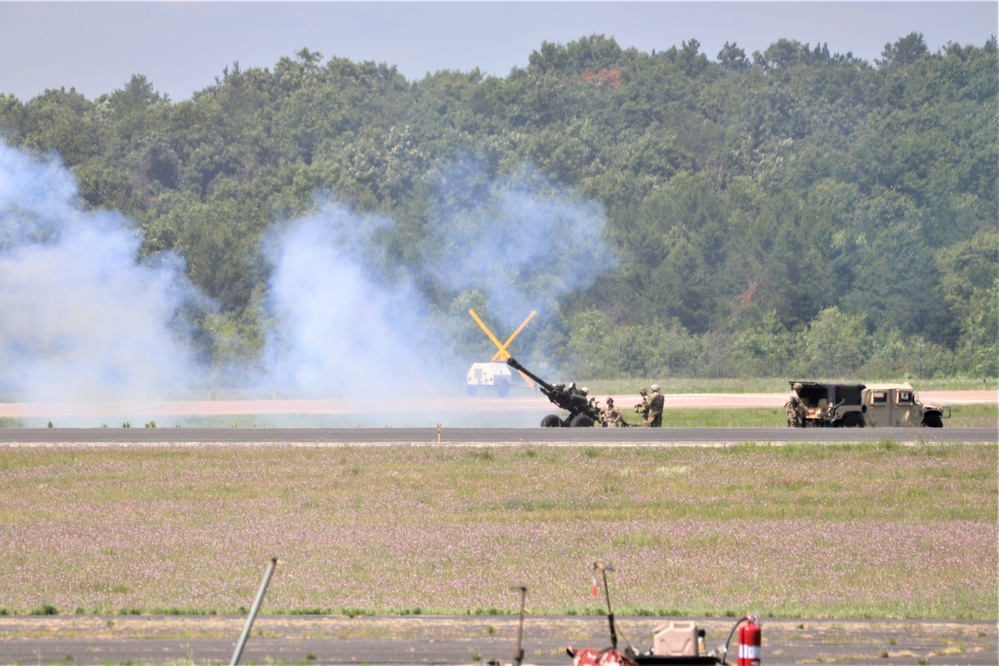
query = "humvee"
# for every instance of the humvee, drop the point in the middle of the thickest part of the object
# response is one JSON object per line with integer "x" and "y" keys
{"x": 897, "y": 405}
{"x": 864, "y": 405}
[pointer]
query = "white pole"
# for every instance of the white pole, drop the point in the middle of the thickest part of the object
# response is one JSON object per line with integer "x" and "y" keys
{"x": 253, "y": 613}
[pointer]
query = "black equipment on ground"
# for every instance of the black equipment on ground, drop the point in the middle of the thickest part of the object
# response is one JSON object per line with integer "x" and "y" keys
{"x": 582, "y": 412}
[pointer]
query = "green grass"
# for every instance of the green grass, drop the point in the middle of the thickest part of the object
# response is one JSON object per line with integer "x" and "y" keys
{"x": 723, "y": 418}
{"x": 973, "y": 416}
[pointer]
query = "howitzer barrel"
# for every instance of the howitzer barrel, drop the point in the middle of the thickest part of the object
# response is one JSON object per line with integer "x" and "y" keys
{"x": 569, "y": 399}
{"x": 515, "y": 364}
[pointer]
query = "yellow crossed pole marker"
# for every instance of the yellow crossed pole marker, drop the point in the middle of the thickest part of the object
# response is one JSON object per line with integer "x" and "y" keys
{"x": 502, "y": 353}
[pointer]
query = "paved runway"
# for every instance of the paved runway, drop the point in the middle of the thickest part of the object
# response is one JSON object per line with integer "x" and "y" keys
{"x": 467, "y": 639}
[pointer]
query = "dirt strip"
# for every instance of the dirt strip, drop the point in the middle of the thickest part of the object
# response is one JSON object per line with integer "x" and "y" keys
{"x": 417, "y": 404}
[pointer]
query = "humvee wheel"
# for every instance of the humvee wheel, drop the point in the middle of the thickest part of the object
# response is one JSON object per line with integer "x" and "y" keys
{"x": 932, "y": 420}
{"x": 852, "y": 421}
{"x": 471, "y": 391}
{"x": 502, "y": 389}
{"x": 551, "y": 421}
{"x": 581, "y": 421}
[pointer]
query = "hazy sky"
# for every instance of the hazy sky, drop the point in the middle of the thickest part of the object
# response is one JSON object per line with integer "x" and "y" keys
{"x": 181, "y": 47}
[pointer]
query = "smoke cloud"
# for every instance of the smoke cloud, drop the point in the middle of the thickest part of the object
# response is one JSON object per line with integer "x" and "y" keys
{"x": 519, "y": 239}
{"x": 341, "y": 328}
{"x": 82, "y": 319}
{"x": 349, "y": 322}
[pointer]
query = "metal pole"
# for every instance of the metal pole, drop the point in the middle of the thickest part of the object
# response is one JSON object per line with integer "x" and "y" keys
{"x": 604, "y": 568}
{"x": 253, "y": 613}
{"x": 518, "y": 655}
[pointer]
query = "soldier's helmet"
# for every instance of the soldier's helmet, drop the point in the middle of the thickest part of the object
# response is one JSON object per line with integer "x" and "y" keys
{"x": 610, "y": 402}
{"x": 797, "y": 386}
{"x": 642, "y": 391}
{"x": 655, "y": 388}
{"x": 584, "y": 390}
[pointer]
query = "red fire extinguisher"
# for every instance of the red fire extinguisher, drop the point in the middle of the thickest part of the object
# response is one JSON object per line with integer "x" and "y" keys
{"x": 750, "y": 639}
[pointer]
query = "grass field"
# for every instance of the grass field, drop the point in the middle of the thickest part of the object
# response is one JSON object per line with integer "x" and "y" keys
{"x": 875, "y": 530}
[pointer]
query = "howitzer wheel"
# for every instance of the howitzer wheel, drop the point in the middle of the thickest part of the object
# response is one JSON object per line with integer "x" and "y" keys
{"x": 581, "y": 421}
{"x": 853, "y": 420}
{"x": 551, "y": 421}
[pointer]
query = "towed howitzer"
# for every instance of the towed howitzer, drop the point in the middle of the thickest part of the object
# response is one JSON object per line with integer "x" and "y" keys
{"x": 582, "y": 412}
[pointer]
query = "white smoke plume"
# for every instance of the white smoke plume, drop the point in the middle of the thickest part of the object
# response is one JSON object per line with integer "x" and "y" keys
{"x": 347, "y": 323}
{"x": 341, "y": 328}
{"x": 522, "y": 241}
{"x": 83, "y": 319}
{"x": 80, "y": 319}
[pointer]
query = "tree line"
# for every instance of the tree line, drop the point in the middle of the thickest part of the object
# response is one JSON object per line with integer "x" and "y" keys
{"x": 793, "y": 211}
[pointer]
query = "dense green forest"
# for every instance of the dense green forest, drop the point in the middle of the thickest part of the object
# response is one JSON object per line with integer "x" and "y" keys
{"x": 792, "y": 211}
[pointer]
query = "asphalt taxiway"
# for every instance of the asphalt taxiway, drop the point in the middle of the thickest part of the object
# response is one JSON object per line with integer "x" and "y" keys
{"x": 468, "y": 640}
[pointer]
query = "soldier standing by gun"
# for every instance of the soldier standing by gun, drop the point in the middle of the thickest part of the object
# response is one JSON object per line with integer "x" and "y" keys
{"x": 651, "y": 407}
{"x": 795, "y": 408}
{"x": 654, "y": 408}
{"x": 644, "y": 400}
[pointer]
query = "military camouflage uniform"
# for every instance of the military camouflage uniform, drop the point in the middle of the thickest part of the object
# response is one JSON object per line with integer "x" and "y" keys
{"x": 653, "y": 412}
{"x": 795, "y": 409}
{"x": 641, "y": 406}
{"x": 612, "y": 416}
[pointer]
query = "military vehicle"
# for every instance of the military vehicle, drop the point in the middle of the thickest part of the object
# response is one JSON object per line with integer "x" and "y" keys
{"x": 489, "y": 375}
{"x": 826, "y": 405}
{"x": 898, "y": 405}
{"x": 583, "y": 412}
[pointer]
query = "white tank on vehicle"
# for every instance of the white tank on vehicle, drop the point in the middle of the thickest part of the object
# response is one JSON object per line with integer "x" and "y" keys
{"x": 489, "y": 375}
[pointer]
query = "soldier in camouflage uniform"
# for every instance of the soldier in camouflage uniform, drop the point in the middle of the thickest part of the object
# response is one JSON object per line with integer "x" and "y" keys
{"x": 795, "y": 408}
{"x": 612, "y": 416}
{"x": 651, "y": 408}
{"x": 653, "y": 412}
{"x": 644, "y": 400}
